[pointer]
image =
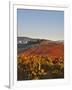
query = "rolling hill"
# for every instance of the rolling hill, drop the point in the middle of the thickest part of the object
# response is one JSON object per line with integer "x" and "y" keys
{"x": 41, "y": 47}
{"x": 39, "y": 59}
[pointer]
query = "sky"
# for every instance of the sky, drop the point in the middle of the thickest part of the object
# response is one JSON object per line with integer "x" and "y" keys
{"x": 43, "y": 24}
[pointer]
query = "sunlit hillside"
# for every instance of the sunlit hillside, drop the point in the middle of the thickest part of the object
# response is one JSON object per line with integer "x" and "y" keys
{"x": 40, "y": 59}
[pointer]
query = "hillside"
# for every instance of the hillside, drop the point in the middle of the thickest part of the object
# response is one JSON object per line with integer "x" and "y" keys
{"x": 40, "y": 59}
{"x": 45, "y": 48}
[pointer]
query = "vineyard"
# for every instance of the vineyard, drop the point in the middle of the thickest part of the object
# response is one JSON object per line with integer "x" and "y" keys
{"x": 39, "y": 67}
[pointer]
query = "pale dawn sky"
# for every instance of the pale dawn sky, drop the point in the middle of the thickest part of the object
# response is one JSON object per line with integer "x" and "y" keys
{"x": 44, "y": 24}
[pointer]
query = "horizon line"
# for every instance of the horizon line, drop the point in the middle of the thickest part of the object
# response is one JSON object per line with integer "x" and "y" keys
{"x": 42, "y": 38}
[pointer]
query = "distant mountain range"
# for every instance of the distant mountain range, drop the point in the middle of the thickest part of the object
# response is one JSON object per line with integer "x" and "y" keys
{"x": 25, "y": 40}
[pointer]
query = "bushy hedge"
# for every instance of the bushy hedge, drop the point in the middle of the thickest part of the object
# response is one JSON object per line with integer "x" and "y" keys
{"x": 39, "y": 67}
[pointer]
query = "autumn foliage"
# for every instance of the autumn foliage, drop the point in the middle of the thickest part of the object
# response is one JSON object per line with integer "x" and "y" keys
{"x": 34, "y": 67}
